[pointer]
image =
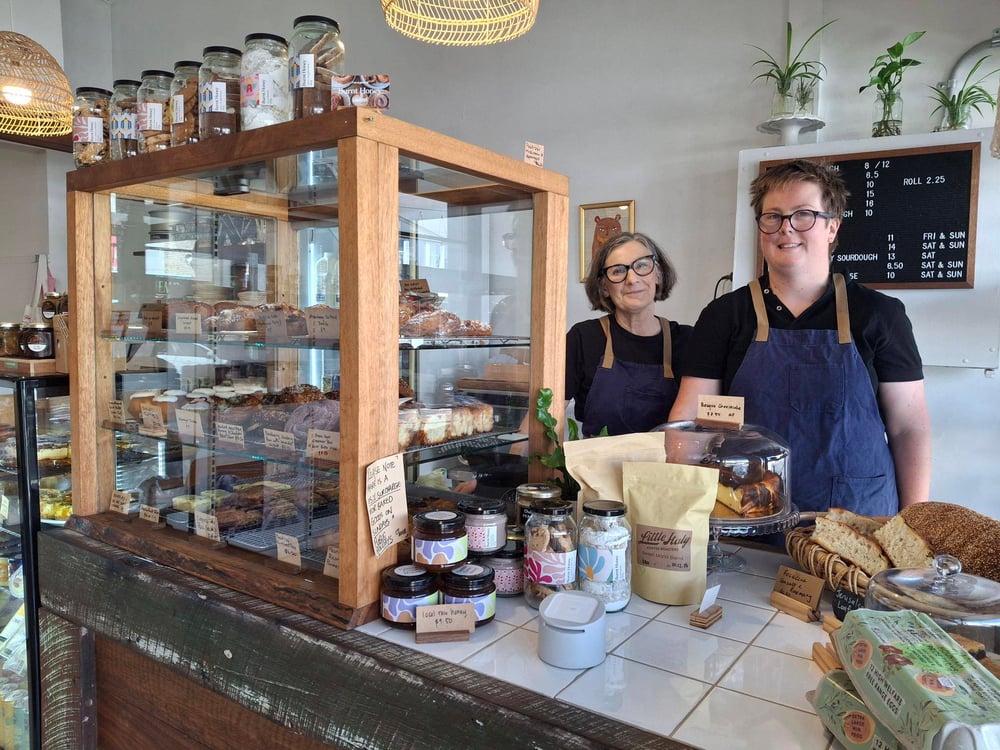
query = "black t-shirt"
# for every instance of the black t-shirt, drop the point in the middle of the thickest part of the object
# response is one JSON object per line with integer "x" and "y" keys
{"x": 585, "y": 349}
{"x": 881, "y": 331}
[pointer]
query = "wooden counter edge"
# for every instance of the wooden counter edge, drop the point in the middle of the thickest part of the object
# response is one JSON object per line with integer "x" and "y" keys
{"x": 317, "y": 680}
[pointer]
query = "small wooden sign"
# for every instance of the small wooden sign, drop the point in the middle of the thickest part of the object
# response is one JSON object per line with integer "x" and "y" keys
{"x": 189, "y": 323}
{"x": 797, "y": 593}
{"x": 229, "y": 433}
{"x": 116, "y": 411}
{"x": 149, "y": 513}
{"x": 385, "y": 498}
{"x": 844, "y": 601}
{"x": 331, "y": 565}
{"x": 414, "y": 285}
{"x": 288, "y": 549}
{"x": 708, "y": 611}
{"x": 279, "y": 440}
{"x": 189, "y": 424}
{"x": 323, "y": 323}
{"x": 206, "y": 525}
{"x": 720, "y": 411}
{"x": 120, "y": 501}
{"x": 439, "y": 623}
{"x": 323, "y": 444}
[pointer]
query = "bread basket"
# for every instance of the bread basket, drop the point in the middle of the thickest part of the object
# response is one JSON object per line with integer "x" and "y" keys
{"x": 832, "y": 568}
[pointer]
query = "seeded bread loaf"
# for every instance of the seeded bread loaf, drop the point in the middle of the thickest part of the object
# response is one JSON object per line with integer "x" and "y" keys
{"x": 841, "y": 539}
{"x": 959, "y": 531}
{"x": 904, "y": 547}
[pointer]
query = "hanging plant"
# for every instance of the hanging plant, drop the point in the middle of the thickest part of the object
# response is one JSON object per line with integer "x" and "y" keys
{"x": 958, "y": 105}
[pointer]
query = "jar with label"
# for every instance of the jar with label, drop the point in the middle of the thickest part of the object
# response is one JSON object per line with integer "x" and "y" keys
{"x": 604, "y": 554}
{"x": 471, "y": 583}
{"x": 264, "y": 98}
{"x": 315, "y": 55}
{"x": 37, "y": 341}
{"x": 184, "y": 103}
{"x": 549, "y": 550}
{"x": 219, "y": 92}
{"x": 90, "y": 125}
{"x": 439, "y": 540}
{"x": 508, "y": 567}
{"x": 10, "y": 339}
{"x": 153, "y": 102}
{"x": 51, "y": 304}
{"x": 486, "y": 523}
{"x": 404, "y": 588}
{"x": 529, "y": 493}
{"x": 124, "y": 124}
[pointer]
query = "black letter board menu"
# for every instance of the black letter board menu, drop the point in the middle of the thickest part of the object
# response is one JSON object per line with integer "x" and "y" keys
{"x": 910, "y": 222}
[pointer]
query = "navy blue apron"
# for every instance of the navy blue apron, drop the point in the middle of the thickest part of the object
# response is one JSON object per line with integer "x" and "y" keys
{"x": 630, "y": 397}
{"x": 812, "y": 388}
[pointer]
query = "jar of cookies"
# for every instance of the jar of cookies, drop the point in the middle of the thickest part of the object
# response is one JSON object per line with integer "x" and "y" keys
{"x": 549, "y": 550}
{"x": 184, "y": 103}
{"x": 90, "y": 125}
{"x": 124, "y": 127}
{"x": 315, "y": 54}
{"x": 219, "y": 92}
{"x": 264, "y": 96}
{"x": 153, "y": 100}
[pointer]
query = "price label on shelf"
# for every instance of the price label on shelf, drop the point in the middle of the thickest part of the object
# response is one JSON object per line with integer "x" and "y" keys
{"x": 323, "y": 444}
{"x": 120, "y": 501}
{"x": 323, "y": 323}
{"x": 229, "y": 433}
{"x": 189, "y": 323}
{"x": 279, "y": 440}
{"x": 116, "y": 411}
{"x": 288, "y": 549}
{"x": 445, "y": 622}
{"x": 414, "y": 285}
{"x": 151, "y": 315}
{"x": 273, "y": 324}
{"x": 189, "y": 424}
{"x": 149, "y": 513}
{"x": 331, "y": 564}
{"x": 206, "y": 525}
{"x": 119, "y": 322}
{"x": 152, "y": 421}
{"x": 720, "y": 411}
{"x": 4, "y": 507}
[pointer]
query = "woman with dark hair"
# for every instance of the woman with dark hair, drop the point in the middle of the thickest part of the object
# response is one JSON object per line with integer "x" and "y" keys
{"x": 620, "y": 368}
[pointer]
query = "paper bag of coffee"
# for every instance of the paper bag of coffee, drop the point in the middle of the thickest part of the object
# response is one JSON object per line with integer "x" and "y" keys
{"x": 668, "y": 506}
{"x": 596, "y": 463}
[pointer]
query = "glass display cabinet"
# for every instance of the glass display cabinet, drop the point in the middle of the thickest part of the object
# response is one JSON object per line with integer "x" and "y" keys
{"x": 271, "y": 312}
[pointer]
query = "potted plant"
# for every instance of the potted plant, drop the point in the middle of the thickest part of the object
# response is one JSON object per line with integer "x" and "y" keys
{"x": 794, "y": 80}
{"x": 886, "y": 75}
{"x": 957, "y": 106}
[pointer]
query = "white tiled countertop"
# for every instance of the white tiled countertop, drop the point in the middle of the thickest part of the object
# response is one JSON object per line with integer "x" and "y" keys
{"x": 739, "y": 685}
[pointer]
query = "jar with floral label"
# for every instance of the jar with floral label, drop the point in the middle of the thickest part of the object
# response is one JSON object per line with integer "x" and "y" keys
{"x": 184, "y": 103}
{"x": 549, "y": 550}
{"x": 124, "y": 125}
{"x": 90, "y": 125}
{"x": 439, "y": 540}
{"x": 486, "y": 522}
{"x": 471, "y": 583}
{"x": 264, "y": 98}
{"x": 604, "y": 554}
{"x": 508, "y": 567}
{"x": 153, "y": 100}
{"x": 404, "y": 588}
{"x": 219, "y": 92}
{"x": 315, "y": 55}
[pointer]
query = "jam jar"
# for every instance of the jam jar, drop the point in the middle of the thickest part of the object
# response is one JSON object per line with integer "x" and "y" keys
{"x": 508, "y": 567}
{"x": 471, "y": 583}
{"x": 604, "y": 554}
{"x": 51, "y": 304}
{"x": 404, "y": 588}
{"x": 10, "y": 339}
{"x": 37, "y": 341}
{"x": 549, "y": 550}
{"x": 485, "y": 522}
{"x": 440, "y": 541}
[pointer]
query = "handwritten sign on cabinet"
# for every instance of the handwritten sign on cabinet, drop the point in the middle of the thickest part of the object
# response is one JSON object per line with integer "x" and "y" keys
{"x": 910, "y": 222}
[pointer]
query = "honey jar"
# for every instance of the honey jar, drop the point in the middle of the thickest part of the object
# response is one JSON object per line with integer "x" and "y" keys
{"x": 10, "y": 339}
{"x": 37, "y": 341}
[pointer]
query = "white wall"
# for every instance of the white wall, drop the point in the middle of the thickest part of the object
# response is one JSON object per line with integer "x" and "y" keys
{"x": 641, "y": 99}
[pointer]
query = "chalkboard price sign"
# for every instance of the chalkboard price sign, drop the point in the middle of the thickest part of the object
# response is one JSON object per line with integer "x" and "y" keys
{"x": 911, "y": 218}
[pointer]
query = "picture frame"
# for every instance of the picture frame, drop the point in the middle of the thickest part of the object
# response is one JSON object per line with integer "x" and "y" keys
{"x": 598, "y": 223}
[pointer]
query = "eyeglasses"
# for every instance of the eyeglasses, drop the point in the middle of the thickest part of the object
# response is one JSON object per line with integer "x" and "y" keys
{"x": 801, "y": 221}
{"x": 641, "y": 266}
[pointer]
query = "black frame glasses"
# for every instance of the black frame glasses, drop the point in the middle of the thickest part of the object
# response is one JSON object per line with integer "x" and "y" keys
{"x": 623, "y": 269}
{"x": 801, "y": 221}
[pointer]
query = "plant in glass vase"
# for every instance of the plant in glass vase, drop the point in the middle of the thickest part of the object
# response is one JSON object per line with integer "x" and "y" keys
{"x": 886, "y": 75}
{"x": 794, "y": 80}
{"x": 957, "y": 105}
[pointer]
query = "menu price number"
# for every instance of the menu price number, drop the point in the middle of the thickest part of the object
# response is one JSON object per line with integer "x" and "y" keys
{"x": 720, "y": 411}
{"x": 385, "y": 498}
{"x": 288, "y": 549}
{"x": 206, "y": 526}
{"x": 120, "y": 501}
{"x": 437, "y": 623}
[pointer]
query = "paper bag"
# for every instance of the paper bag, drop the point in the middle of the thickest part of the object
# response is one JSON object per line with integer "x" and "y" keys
{"x": 596, "y": 463}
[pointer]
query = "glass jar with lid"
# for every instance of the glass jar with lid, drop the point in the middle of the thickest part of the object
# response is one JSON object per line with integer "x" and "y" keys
{"x": 550, "y": 540}
{"x": 153, "y": 100}
{"x": 315, "y": 55}
{"x": 90, "y": 125}
{"x": 508, "y": 567}
{"x": 439, "y": 541}
{"x": 528, "y": 494}
{"x": 219, "y": 92}
{"x": 486, "y": 523}
{"x": 404, "y": 588}
{"x": 51, "y": 304}
{"x": 123, "y": 115}
{"x": 37, "y": 341}
{"x": 604, "y": 553}
{"x": 264, "y": 98}
{"x": 184, "y": 103}
{"x": 471, "y": 583}
{"x": 10, "y": 339}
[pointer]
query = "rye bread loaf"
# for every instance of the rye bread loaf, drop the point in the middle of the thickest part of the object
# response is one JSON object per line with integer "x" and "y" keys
{"x": 905, "y": 547}
{"x": 862, "y": 524}
{"x": 959, "y": 531}
{"x": 841, "y": 539}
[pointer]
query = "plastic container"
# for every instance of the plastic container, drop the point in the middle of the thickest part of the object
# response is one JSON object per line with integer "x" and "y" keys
{"x": 184, "y": 103}
{"x": 571, "y": 630}
{"x": 604, "y": 554}
{"x": 90, "y": 125}
{"x": 153, "y": 100}
{"x": 123, "y": 127}
{"x": 486, "y": 523}
{"x": 549, "y": 550}
{"x": 528, "y": 494}
{"x": 219, "y": 92}
{"x": 471, "y": 583}
{"x": 264, "y": 97}
{"x": 315, "y": 54}
{"x": 508, "y": 567}
{"x": 439, "y": 540}
{"x": 404, "y": 588}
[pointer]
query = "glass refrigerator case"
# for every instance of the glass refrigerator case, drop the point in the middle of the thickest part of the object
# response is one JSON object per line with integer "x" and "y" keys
{"x": 35, "y": 462}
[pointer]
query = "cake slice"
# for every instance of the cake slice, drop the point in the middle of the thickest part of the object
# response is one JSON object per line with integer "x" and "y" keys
{"x": 905, "y": 547}
{"x": 841, "y": 539}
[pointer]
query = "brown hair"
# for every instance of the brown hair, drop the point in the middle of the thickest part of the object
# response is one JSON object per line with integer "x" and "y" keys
{"x": 667, "y": 275}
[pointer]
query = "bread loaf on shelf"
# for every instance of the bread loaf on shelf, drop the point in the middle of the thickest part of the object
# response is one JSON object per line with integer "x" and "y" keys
{"x": 842, "y": 540}
{"x": 959, "y": 531}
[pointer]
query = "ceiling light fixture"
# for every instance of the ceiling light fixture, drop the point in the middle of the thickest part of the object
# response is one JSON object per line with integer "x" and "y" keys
{"x": 35, "y": 97}
{"x": 461, "y": 23}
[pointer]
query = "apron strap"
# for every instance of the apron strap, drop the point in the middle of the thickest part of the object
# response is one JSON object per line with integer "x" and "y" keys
{"x": 609, "y": 354}
{"x": 843, "y": 316}
{"x": 668, "y": 370}
{"x": 763, "y": 328}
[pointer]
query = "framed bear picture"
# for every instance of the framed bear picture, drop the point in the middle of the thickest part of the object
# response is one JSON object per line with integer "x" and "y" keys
{"x": 599, "y": 222}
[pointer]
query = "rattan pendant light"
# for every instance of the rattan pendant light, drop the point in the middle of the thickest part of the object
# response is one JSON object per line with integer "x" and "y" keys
{"x": 35, "y": 97}
{"x": 461, "y": 23}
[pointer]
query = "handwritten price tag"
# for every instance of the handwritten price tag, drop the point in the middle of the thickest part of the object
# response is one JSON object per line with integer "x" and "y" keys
{"x": 323, "y": 444}
{"x": 189, "y": 323}
{"x": 120, "y": 501}
{"x": 385, "y": 497}
{"x": 229, "y": 433}
{"x": 116, "y": 410}
{"x": 288, "y": 549}
{"x": 534, "y": 153}
{"x": 152, "y": 319}
{"x": 206, "y": 525}
{"x": 149, "y": 513}
{"x": 445, "y": 622}
{"x": 414, "y": 285}
{"x": 152, "y": 421}
{"x": 331, "y": 565}
{"x": 720, "y": 411}
{"x": 799, "y": 586}
{"x": 189, "y": 424}
{"x": 323, "y": 323}
{"x": 119, "y": 322}
{"x": 273, "y": 325}
{"x": 279, "y": 440}
{"x": 4, "y": 507}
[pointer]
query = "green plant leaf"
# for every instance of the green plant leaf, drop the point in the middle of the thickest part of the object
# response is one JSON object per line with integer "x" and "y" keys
{"x": 785, "y": 75}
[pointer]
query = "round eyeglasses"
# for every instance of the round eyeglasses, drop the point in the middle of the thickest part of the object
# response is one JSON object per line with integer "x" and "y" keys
{"x": 641, "y": 266}
{"x": 801, "y": 221}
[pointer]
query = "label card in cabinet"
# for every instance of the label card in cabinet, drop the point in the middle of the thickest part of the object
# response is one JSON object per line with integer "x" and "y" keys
{"x": 206, "y": 525}
{"x": 119, "y": 322}
{"x": 323, "y": 323}
{"x": 149, "y": 513}
{"x": 116, "y": 410}
{"x": 414, "y": 285}
{"x": 120, "y": 501}
{"x": 279, "y": 440}
{"x": 229, "y": 433}
{"x": 323, "y": 444}
{"x": 288, "y": 549}
{"x": 331, "y": 565}
{"x": 4, "y": 507}
{"x": 272, "y": 325}
{"x": 385, "y": 496}
{"x": 189, "y": 323}
{"x": 437, "y": 623}
{"x": 151, "y": 315}
{"x": 534, "y": 153}
{"x": 720, "y": 411}
{"x": 152, "y": 421}
{"x": 189, "y": 424}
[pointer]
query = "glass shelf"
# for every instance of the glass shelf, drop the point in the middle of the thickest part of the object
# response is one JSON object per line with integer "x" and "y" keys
{"x": 251, "y": 339}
